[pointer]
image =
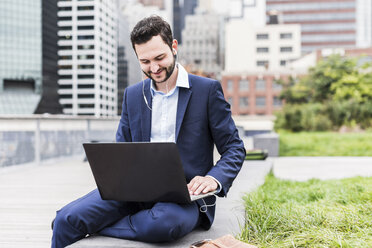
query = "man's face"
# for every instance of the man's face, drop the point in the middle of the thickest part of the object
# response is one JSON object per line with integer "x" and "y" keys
{"x": 156, "y": 59}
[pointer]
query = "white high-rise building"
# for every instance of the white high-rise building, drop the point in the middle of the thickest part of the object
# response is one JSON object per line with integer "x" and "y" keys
{"x": 260, "y": 49}
{"x": 202, "y": 46}
{"x": 364, "y": 23}
{"x": 88, "y": 57}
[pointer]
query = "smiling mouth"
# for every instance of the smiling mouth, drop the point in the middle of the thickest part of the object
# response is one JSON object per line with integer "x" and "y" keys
{"x": 157, "y": 73}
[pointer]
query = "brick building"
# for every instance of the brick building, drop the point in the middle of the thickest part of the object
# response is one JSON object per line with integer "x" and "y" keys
{"x": 252, "y": 94}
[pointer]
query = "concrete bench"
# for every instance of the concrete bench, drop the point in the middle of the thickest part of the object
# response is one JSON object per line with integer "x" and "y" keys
{"x": 229, "y": 213}
{"x": 267, "y": 141}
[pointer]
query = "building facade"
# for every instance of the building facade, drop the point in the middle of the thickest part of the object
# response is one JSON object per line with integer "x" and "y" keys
{"x": 327, "y": 23}
{"x": 130, "y": 14}
{"x": 251, "y": 93}
{"x": 267, "y": 48}
{"x": 28, "y": 62}
{"x": 88, "y": 57}
{"x": 180, "y": 10}
{"x": 202, "y": 49}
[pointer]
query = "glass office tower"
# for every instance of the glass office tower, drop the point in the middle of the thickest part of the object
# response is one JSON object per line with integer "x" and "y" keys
{"x": 20, "y": 56}
{"x": 22, "y": 51}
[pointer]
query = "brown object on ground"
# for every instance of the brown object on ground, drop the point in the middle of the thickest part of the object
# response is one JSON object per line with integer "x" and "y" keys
{"x": 227, "y": 241}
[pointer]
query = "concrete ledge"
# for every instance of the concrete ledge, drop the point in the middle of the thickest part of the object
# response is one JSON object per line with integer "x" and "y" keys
{"x": 267, "y": 141}
{"x": 229, "y": 213}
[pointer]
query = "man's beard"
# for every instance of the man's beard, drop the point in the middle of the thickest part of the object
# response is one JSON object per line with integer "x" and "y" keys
{"x": 168, "y": 72}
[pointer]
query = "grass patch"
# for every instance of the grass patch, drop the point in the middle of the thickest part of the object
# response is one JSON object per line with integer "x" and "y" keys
{"x": 325, "y": 144}
{"x": 333, "y": 213}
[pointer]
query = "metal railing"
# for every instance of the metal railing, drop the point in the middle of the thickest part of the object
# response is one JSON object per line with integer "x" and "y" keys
{"x": 35, "y": 138}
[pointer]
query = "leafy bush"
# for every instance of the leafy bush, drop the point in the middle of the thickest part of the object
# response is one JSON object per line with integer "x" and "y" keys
{"x": 303, "y": 117}
{"x": 336, "y": 92}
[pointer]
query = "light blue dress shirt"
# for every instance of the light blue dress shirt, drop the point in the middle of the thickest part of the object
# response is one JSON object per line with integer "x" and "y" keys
{"x": 164, "y": 109}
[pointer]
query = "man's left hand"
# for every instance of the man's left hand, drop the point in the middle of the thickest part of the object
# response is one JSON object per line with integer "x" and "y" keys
{"x": 201, "y": 185}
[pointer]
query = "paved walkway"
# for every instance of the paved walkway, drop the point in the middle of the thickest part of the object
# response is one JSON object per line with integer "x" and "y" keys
{"x": 305, "y": 168}
{"x": 30, "y": 195}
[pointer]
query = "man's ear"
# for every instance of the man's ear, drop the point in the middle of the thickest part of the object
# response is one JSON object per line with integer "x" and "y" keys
{"x": 174, "y": 46}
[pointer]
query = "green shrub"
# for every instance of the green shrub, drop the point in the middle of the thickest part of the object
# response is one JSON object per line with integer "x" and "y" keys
{"x": 305, "y": 117}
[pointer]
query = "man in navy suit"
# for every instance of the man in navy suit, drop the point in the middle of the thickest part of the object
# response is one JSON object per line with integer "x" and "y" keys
{"x": 169, "y": 106}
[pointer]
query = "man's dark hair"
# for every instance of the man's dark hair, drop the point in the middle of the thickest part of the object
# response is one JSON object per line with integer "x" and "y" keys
{"x": 150, "y": 27}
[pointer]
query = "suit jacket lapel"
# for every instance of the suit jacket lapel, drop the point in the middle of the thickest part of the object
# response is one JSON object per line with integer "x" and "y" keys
{"x": 183, "y": 100}
{"x": 146, "y": 112}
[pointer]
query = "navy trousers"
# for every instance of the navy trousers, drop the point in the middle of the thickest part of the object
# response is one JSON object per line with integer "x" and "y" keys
{"x": 90, "y": 214}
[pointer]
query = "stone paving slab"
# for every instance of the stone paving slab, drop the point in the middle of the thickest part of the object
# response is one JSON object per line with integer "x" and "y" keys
{"x": 305, "y": 168}
{"x": 30, "y": 196}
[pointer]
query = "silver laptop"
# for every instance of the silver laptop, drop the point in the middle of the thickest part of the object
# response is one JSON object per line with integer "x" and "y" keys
{"x": 139, "y": 172}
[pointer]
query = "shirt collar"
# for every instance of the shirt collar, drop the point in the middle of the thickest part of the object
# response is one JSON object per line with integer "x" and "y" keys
{"x": 182, "y": 79}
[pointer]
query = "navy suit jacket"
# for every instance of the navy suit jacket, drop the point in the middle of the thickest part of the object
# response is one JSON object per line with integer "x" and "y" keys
{"x": 203, "y": 119}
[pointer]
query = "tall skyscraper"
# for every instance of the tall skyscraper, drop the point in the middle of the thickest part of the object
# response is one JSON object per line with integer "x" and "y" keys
{"x": 49, "y": 102}
{"x": 28, "y": 62}
{"x": 327, "y": 23}
{"x": 88, "y": 57}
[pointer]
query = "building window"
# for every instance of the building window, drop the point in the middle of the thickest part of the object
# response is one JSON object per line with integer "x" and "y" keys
{"x": 260, "y": 101}
{"x": 85, "y": 66}
{"x": 84, "y": 105}
{"x": 83, "y": 18}
{"x": 85, "y": 7}
{"x": 85, "y": 37}
{"x": 229, "y": 85}
{"x": 65, "y": 77}
{"x": 243, "y": 102}
{"x": 65, "y": 67}
{"x": 85, "y": 47}
{"x": 68, "y": 96}
{"x": 277, "y": 86}
{"x": 64, "y": 8}
{"x": 90, "y": 27}
{"x": 263, "y": 63}
{"x": 65, "y": 28}
{"x": 85, "y": 56}
{"x": 244, "y": 85}
{"x": 85, "y": 95}
{"x": 277, "y": 102}
{"x": 283, "y": 62}
{"x": 262, "y": 49}
{"x": 65, "y": 37}
{"x": 65, "y": 86}
{"x": 286, "y": 36}
{"x": 66, "y": 57}
{"x": 262, "y": 36}
{"x": 64, "y": 18}
{"x": 286, "y": 49}
{"x": 85, "y": 86}
{"x": 85, "y": 76}
{"x": 65, "y": 47}
{"x": 260, "y": 84}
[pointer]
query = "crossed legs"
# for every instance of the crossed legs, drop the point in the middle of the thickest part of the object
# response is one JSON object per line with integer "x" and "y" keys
{"x": 90, "y": 214}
